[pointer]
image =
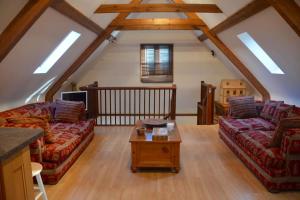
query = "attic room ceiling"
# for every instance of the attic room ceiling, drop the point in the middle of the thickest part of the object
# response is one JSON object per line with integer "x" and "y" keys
{"x": 88, "y": 8}
{"x": 122, "y": 16}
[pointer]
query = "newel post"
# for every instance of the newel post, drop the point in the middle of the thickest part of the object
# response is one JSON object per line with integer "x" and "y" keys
{"x": 92, "y": 95}
{"x": 173, "y": 103}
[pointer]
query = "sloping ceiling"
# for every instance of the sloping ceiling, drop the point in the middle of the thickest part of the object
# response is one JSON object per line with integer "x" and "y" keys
{"x": 267, "y": 27}
{"x": 280, "y": 42}
{"x": 17, "y": 81}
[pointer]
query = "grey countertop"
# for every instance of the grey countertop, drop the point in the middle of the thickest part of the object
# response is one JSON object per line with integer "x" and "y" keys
{"x": 12, "y": 140}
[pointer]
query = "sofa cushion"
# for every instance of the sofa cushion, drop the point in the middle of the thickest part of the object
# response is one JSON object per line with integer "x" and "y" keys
{"x": 242, "y": 107}
{"x": 281, "y": 112}
{"x": 269, "y": 109}
{"x": 64, "y": 145}
{"x": 255, "y": 145}
{"x": 81, "y": 128}
{"x": 236, "y": 126}
{"x": 68, "y": 111}
{"x": 66, "y": 136}
{"x": 284, "y": 125}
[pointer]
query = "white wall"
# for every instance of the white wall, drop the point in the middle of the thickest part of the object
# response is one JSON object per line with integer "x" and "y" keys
{"x": 119, "y": 65}
{"x": 280, "y": 41}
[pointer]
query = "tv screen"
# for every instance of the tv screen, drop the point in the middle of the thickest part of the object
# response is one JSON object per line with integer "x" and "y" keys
{"x": 75, "y": 96}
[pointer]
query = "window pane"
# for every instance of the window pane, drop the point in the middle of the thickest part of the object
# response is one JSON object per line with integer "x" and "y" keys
{"x": 149, "y": 55}
{"x": 164, "y": 55}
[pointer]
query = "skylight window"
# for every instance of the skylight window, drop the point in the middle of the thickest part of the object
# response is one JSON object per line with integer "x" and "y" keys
{"x": 262, "y": 56}
{"x": 57, "y": 53}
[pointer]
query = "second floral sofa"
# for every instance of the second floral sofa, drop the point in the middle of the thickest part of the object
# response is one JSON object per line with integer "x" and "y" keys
{"x": 266, "y": 139}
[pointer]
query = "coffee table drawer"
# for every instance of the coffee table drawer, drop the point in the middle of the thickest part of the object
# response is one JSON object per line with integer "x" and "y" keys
{"x": 146, "y": 152}
{"x": 159, "y": 155}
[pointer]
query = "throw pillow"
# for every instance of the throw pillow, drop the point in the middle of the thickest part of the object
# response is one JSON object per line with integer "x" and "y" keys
{"x": 284, "y": 124}
{"x": 242, "y": 107}
{"x": 269, "y": 109}
{"x": 281, "y": 112}
{"x": 68, "y": 111}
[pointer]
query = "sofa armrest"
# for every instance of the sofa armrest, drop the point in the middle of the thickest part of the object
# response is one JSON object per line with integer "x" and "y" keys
{"x": 36, "y": 150}
{"x": 290, "y": 144}
{"x": 290, "y": 149}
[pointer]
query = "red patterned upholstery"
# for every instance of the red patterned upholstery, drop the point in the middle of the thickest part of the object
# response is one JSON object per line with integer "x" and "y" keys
{"x": 236, "y": 126}
{"x": 255, "y": 144}
{"x": 281, "y": 112}
{"x": 68, "y": 140}
{"x": 269, "y": 109}
{"x": 52, "y": 171}
{"x": 278, "y": 168}
{"x": 67, "y": 137}
{"x": 60, "y": 150}
{"x": 242, "y": 107}
{"x": 82, "y": 128}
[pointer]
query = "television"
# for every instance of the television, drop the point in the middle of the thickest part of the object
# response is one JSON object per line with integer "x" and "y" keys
{"x": 75, "y": 96}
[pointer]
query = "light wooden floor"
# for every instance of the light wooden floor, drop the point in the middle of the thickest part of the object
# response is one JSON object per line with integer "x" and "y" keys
{"x": 210, "y": 171}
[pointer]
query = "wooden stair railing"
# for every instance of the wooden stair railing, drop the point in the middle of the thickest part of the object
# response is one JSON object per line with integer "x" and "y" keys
{"x": 205, "y": 108}
{"x": 125, "y": 105}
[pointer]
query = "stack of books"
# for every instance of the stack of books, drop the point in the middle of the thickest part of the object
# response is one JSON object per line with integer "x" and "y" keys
{"x": 160, "y": 134}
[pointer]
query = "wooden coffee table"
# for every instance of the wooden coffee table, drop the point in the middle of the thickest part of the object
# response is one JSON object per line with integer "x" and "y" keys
{"x": 146, "y": 152}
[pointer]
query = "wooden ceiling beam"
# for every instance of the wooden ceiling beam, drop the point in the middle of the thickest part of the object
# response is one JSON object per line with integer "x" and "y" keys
{"x": 69, "y": 11}
{"x": 155, "y": 27}
{"x": 85, "y": 55}
{"x": 127, "y": 8}
{"x": 289, "y": 11}
{"x": 21, "y": 24}
{"x": 247, "y": 11}
{"x": 231, "y": 56}
{"x": 158, "y": 21}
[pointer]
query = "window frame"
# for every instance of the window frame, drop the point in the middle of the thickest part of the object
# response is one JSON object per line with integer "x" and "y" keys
{"x": 157, "y": 78}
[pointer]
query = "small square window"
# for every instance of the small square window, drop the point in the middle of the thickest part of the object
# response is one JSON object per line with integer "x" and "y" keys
{"x": 156, "y": 63}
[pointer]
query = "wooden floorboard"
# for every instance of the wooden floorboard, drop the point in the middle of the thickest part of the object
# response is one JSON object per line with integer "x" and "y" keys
{"x": 209, "y": 171}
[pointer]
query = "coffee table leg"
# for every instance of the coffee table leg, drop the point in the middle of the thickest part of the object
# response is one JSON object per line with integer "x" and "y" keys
{"x": 176, "y": 169}
{"x": 133, "y": 169}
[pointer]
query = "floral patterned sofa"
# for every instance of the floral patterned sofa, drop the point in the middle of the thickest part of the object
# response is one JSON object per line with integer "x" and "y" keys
{"x": 268, "y": 143}
{"x": 62, "y": 143}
